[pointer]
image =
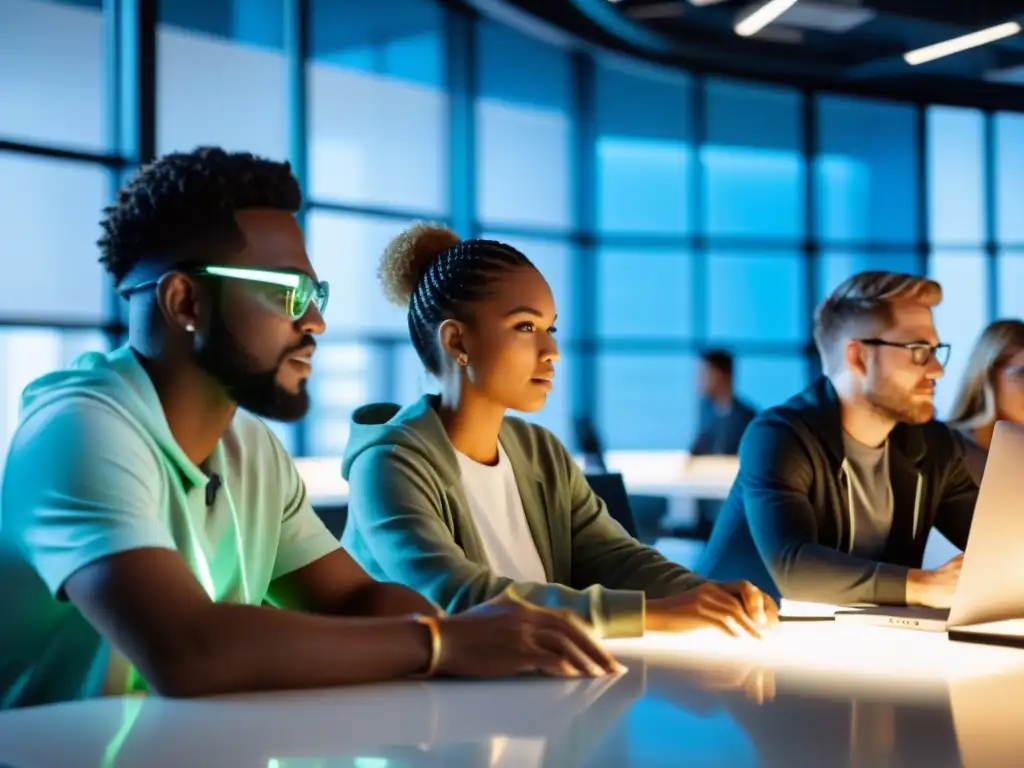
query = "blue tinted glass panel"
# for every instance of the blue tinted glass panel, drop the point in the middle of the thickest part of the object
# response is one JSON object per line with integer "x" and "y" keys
{"x": 644, "y": 293}
{"x": 29, "y": 354}
{"x": 864, "y": 172}
{"x": 647, "y": 402}
{"x": 767, "y": 380}
{"x": 644, "y": 149}
{"x": 956, "y": 188}
{"x": 52, "y": 90}
{"x": 835, "y": 266}
{"x": 753, "y": 168}
{"x": 49, "y": 216}
{"x": 756, "y": 297}
{"x": 204, "y": 51}
{"x": 345, "y": 249}
{"x": 1010, "y": 281}
{"x": 961, "y": 316}
{"x": 554, "y": 260}
{"x": 378, "y": 104}
{"x": 345, "y": 376}
{"x": 524, "y": 130}
{"x": 1009, "y": 170}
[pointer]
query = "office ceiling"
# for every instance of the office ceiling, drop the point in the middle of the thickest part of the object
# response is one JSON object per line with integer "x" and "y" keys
{"x": 855, "y": 45}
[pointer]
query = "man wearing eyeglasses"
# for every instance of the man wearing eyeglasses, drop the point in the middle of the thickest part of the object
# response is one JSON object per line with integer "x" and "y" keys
{"x": 839, "y": 488}
{"x": 155, "y": 535}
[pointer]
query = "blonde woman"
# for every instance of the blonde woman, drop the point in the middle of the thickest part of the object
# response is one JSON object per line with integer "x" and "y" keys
{"x": 992, "y": 389}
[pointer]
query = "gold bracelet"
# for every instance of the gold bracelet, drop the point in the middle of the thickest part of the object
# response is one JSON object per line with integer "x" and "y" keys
{"x": 430, "y": 623}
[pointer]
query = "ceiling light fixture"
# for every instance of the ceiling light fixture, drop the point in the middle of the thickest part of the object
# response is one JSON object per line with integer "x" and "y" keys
{"x": 962, "y": 43}
{"x": 753, "y": 22}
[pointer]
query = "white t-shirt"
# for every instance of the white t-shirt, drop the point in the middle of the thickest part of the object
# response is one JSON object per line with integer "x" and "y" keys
{"x": 497, "y": 510}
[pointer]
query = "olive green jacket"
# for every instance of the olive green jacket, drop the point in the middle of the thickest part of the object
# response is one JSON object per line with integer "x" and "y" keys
{"x": 409, "y": 522}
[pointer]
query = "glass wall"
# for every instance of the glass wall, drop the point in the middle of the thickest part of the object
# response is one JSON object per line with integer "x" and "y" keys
{"x": 669, "y": 212}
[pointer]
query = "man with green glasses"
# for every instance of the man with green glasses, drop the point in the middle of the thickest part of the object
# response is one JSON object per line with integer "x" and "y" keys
{"x": 154, "y": 535}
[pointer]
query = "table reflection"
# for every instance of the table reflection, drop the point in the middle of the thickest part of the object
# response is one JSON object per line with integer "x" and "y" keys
{"x": 679, "y": 704}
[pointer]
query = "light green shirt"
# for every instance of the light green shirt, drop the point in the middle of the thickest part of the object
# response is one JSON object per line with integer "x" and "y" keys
{"x": 93, "y": 471}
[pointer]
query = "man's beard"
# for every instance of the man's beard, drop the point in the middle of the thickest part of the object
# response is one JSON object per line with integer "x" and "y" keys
{"x": 899, "y": 407}
{"x": 254, "y": 388}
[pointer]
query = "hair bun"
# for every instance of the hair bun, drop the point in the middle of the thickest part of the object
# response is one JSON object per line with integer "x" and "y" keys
{"x": 408, "y": 256}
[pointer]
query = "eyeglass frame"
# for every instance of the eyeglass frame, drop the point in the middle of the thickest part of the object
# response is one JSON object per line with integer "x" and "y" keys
{"x": 285, "y": 278}
{"x": 914, "y": 347}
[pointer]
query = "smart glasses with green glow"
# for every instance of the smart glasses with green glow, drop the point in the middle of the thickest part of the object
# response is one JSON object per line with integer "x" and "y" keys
{"x": 299, "y": 289}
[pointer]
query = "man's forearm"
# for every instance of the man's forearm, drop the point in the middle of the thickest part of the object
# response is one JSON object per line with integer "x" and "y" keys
{"x": 820, "y": 574}
{"x": 236, "y": 648}
{"x": 382, "y": 598}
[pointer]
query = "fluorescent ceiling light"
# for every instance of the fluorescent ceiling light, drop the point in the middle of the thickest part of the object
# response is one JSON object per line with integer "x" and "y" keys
{"x": 705, "y": 2}
{"x": 962, "y": 43}
{"x": 761, "y": 17}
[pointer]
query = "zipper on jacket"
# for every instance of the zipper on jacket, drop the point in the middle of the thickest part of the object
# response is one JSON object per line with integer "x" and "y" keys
{"x": 917, "y": 503}
{"x": 845, "y": 473}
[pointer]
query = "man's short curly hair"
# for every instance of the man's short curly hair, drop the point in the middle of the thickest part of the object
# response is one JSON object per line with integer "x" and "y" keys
{"x": 183, "y": 205}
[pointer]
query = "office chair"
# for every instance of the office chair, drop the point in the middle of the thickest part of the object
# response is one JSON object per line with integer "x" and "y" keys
{"x": 590, "y": 446}
{"x": 334, "y": 517}
{"x": 612, "y": 490}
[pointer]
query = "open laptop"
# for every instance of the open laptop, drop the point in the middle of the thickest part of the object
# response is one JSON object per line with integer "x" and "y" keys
{"x": 991, "y": 585}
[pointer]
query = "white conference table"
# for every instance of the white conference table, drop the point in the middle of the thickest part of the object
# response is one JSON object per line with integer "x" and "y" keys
{"x": 814, "y": 694}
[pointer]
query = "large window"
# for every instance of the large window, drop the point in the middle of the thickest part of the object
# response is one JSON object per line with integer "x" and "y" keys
{"x": 524, "y": 130}
{"x": 645, "y": 168}
{"x": 755, "y": 296}
{"x": 52, "y": 60}
{"x": 644, "y": 293}
{"x": 378, "y": 127}
{"x": 49, "y": 213}
{"x": 645, "y": 401}
{"x": 644, "y": 149}
{"x": 866, "y": 184}
{"x": 221, "y": 76}
{"x": 753, "y": 167}
{"x": 956, "y": 173}
{"x": 669, "y": 212}
{"x": 1009, "y": 160}
{"x": 55, "y": 298}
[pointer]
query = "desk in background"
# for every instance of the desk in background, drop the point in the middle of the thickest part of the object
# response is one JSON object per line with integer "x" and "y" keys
{"x": 815, "y": 694}
{"x": 671, "y": 475}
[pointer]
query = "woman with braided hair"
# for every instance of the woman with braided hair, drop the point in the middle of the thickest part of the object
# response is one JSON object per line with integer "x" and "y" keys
{"x": 453, "y": 498}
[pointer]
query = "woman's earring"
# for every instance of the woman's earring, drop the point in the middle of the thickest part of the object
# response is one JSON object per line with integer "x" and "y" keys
{"x": 463, "y": 359}
{"x": 190, "y": 328}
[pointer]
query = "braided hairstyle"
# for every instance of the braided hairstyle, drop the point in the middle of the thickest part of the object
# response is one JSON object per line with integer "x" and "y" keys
{"x": 434, "y": 273}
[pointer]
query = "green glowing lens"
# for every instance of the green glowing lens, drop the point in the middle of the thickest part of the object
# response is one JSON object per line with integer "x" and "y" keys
{"x": 300, "y": 289}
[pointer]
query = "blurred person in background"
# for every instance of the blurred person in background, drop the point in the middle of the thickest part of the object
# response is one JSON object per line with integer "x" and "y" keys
{"x": 723, "y": 416}
{"x": 992, "y": 390}
{"x": 723, "y": 420}
{"x": 452, "y": 497}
